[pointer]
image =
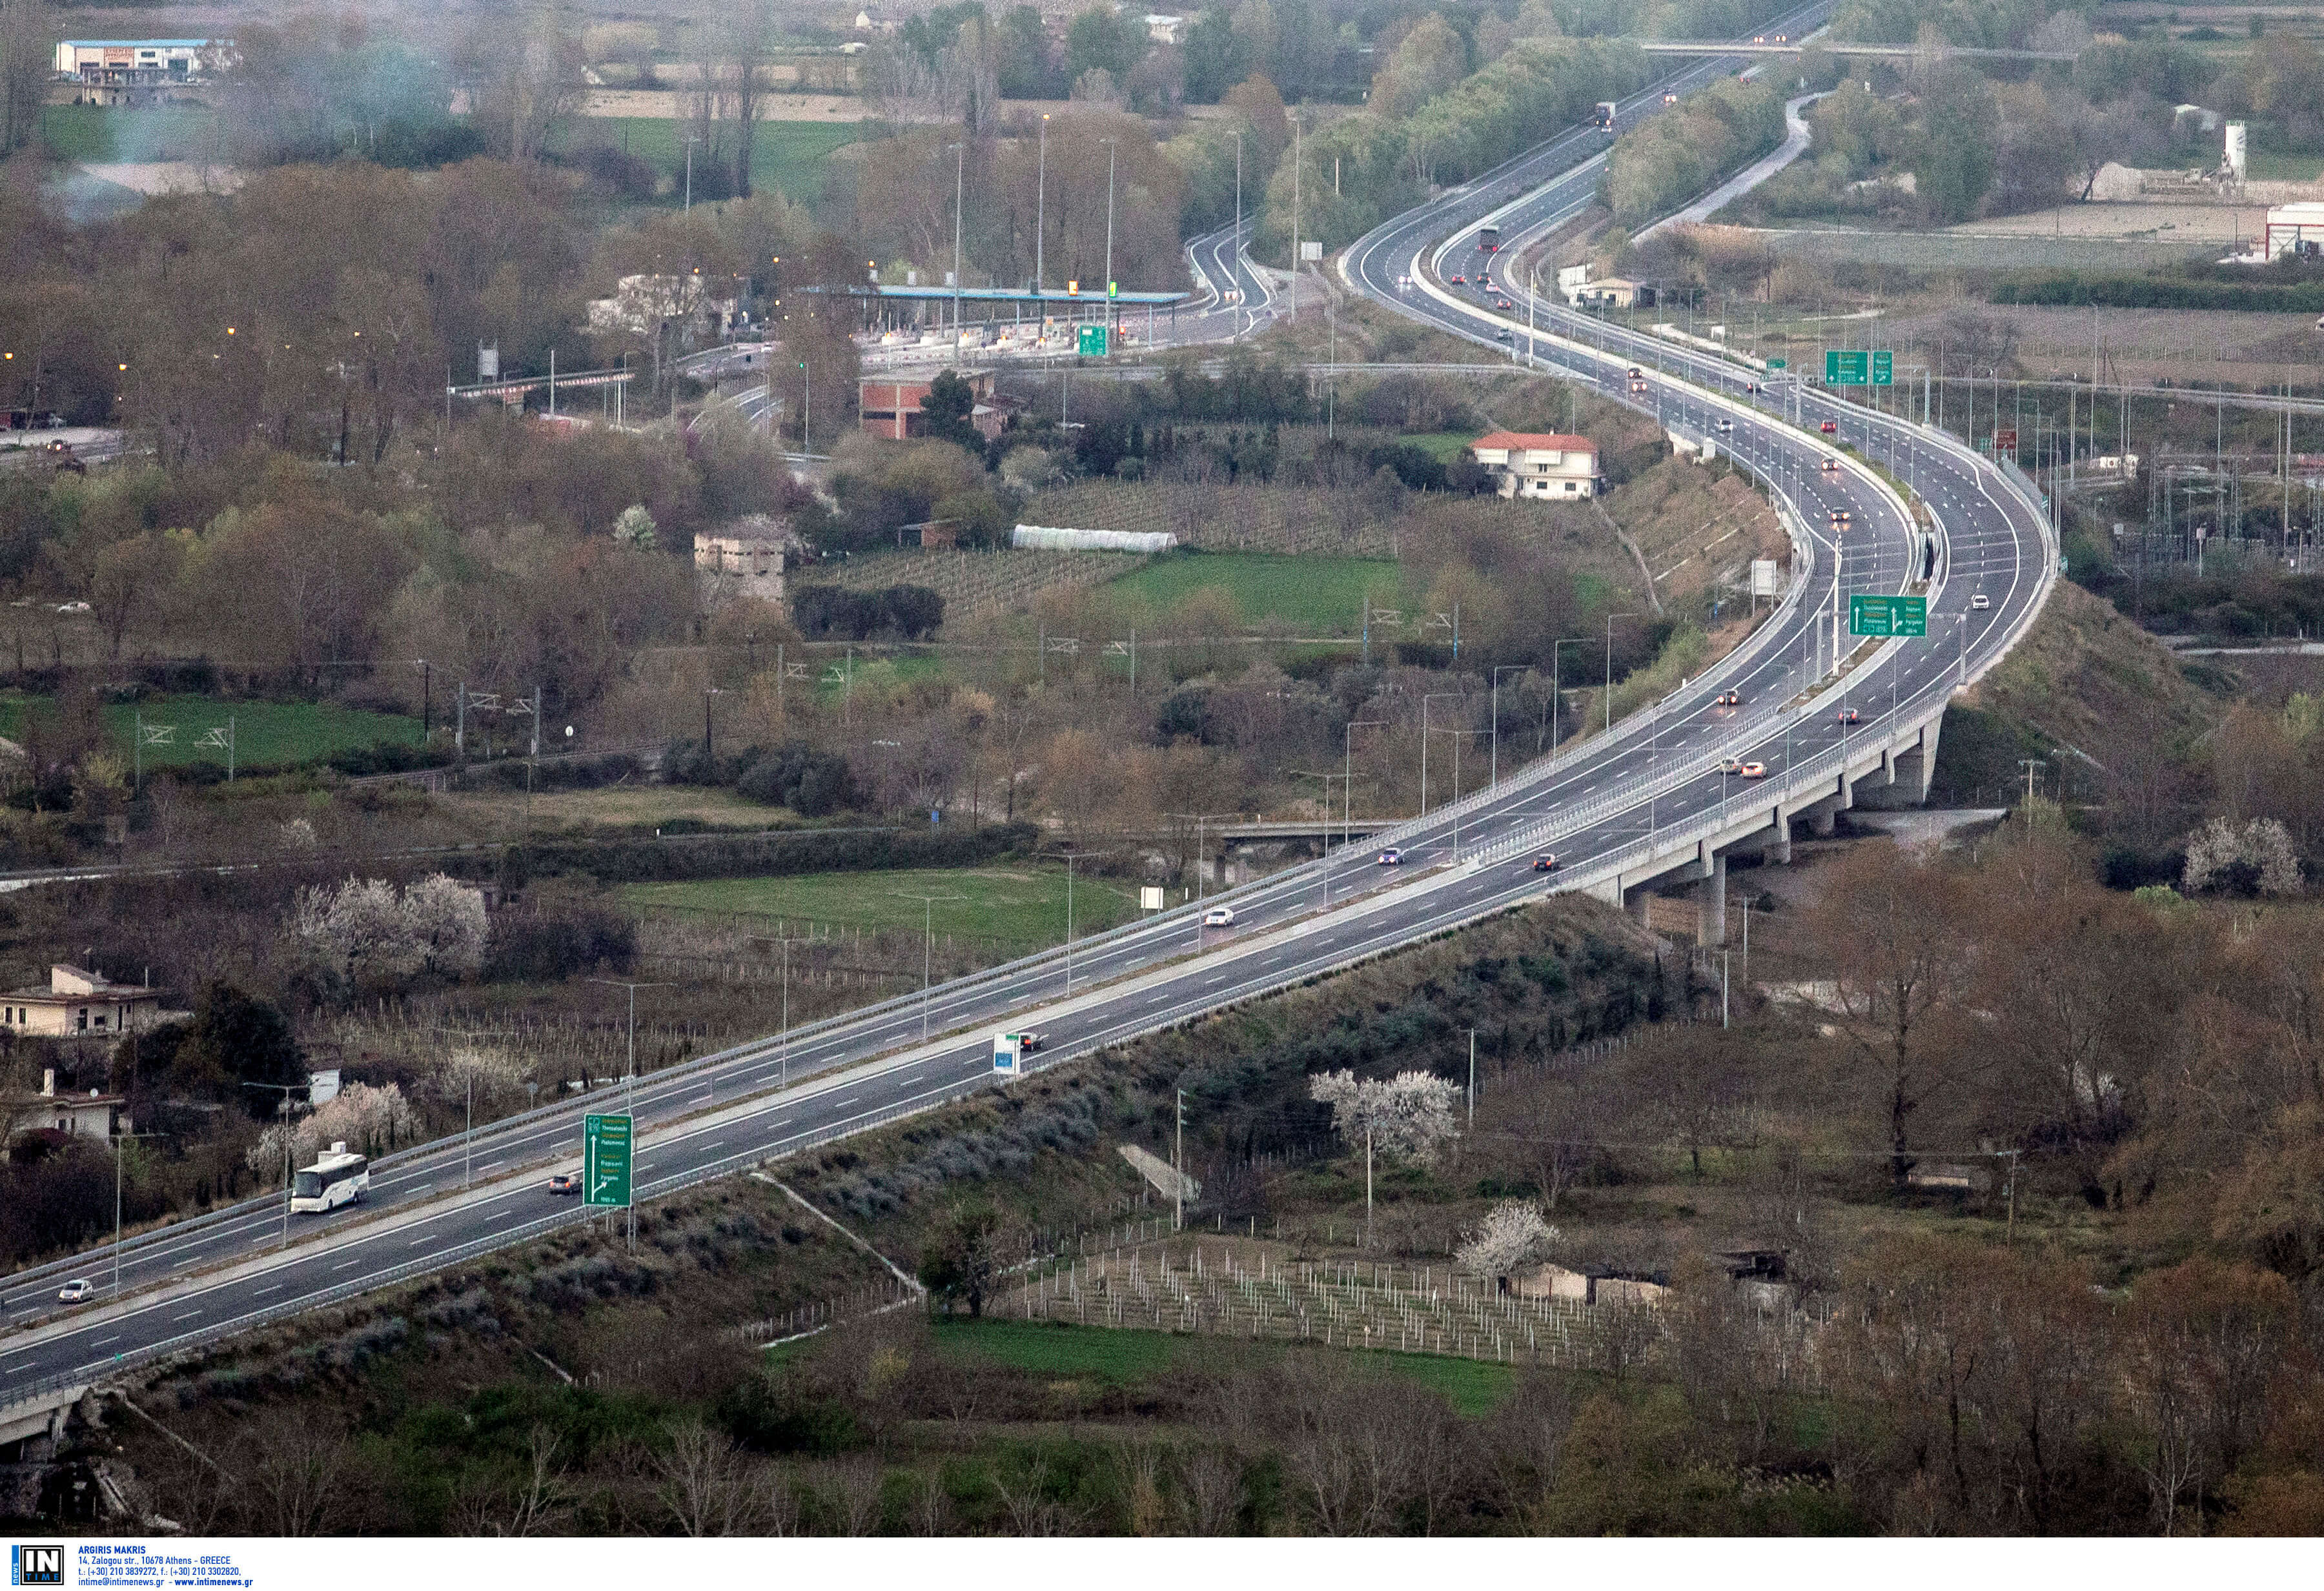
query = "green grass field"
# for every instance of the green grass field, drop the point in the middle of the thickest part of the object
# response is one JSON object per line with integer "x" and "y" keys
{"x": 1026, "y": 905}
{"x": 788, "y": 155}
{"x": 266, "y": 735}
{"x": 1122, "y": 1357}
{"x": 876, "y": 674}
{"x": 1444, "y": 447}
{"x": 1319, "y": 595}
{"x": 105, "y": 134}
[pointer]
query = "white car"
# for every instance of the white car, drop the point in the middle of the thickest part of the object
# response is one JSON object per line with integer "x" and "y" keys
{"x": 72, "y": 607}
{"x": 1725, "y": 425}
{"x": 1980, "y": 603}
{"x": 76, "y": 1290}
{"x": 1219, "y": 918}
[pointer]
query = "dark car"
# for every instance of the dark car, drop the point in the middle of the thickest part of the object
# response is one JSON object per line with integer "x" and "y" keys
{"x": 1459, "y": 281}
{"x": 1729, "y": 699}
{"x": 1027, "y": 1043}
{"x": 1829, "y": 428}
{"x": 565, "y": 1182}
{"x": 1546, "y": 862}
{"x": 1850, "y": 716}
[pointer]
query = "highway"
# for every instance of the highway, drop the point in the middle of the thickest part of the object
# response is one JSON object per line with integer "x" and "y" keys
{"x": 207, "y": 1278}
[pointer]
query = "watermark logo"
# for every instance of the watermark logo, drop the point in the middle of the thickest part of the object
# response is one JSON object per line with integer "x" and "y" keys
{"x": 36, "y": 1566}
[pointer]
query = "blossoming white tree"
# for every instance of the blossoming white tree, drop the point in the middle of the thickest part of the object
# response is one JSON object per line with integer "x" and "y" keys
{"x": 1512, "y": 1234}
{"x": 373, "y": 933}
{"x": 1409, "y": 1114}
{"x": 370, "y": 1120}
{"x": 2222, "y": 848}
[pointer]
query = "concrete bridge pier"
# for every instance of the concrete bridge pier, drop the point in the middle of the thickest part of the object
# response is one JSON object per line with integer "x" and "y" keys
{"x": 1906, "y": 769}
{"x": 1711, "y": 896}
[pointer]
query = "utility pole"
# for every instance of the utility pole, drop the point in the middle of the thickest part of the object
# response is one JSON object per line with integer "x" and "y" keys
{"x": 2031, "y": 764}
{"x": 691, "y": 140}
{"x": 1041, "y": 226}
{"x": 1472, "y": 1080}
{"x": 1178, "y": 1160}
{"x": 928, "y": 943}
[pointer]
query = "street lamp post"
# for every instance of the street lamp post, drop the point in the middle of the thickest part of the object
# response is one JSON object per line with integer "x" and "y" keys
{"x": 1109, "y": 242}
{"x": 282, "y": 1109}
{"x": 959, "y": 170}
{"x": 1564, "y": 640}
{"x": 1495, "y": 777}
{"x": 630, "y": 1081}
{"x": 117, "y": 1138}
{"x": 928, "y": 943}
{"x": 1041, "y": 225}
{"x": 1234, "y": 334}
{"x": 1424, "y": 701}
{"x": 1610, "y": 664}
{"x": 691, "y": 140}
{"x": 1200, "y": 819}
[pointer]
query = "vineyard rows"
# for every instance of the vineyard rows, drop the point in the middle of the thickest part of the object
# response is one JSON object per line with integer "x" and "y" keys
{"x": 1343, "y": 1304}
{"x": 971, "y": 581}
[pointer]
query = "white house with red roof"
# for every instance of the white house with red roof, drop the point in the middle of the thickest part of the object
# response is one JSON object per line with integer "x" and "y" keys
{"x": 1539, "y": 464}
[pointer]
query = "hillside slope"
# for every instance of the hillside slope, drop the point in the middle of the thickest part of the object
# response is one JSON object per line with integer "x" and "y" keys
{"x": 2086, "y": 690}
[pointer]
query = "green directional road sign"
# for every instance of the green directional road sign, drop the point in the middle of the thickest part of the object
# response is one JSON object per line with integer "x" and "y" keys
{"x": 1887, "y": 615}
{"x": 1883, "y": 368}
{"x": 1779, "y": 364}
{"x": 1091, "y": 340}
{"x": 606, "y": 1160}
{"x": 1847, "y": 367}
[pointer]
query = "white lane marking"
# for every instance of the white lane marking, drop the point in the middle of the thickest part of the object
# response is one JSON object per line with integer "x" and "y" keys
{"x": 188, "y": 1315}
{"x": 272, "y": 1287}
{"x": 101, "y": 1341}
{"x": 350, "y": 1264}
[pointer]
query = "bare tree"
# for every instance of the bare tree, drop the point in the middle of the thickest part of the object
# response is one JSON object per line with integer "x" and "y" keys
{"x": 705, "y": 1484}
{"x": 295, "y": 1467}
{"x": 1890, "y": 934}
{"x": 26, "y": 47}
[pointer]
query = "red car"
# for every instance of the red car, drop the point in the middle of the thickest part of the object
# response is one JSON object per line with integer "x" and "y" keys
{"x": 1830, "y": 428}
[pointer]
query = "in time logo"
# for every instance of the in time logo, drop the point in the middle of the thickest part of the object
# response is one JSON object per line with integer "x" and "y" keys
{"x": 36, "y": 1566}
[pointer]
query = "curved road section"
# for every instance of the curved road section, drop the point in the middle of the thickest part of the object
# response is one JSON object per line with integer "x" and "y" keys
{"x": 1598, "y": 805}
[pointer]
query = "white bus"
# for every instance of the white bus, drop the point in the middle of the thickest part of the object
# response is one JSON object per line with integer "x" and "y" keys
{"x": 335, "y": 1179}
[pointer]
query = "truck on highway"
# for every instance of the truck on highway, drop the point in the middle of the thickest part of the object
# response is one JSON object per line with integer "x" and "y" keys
{"x": 335, "y": 1179}
{"x": 1604, "y": 120}
{"x": 1488, "y": 239}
